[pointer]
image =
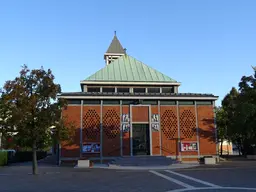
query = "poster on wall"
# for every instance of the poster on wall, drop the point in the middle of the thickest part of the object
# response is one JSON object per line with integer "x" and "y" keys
{"x": 189, "y": 146}
{"x": 125, "y": 118}
{"x": 91, "y": 148}
{"x": 155, "y": 118}
{"x": 155, "y": 127}
{"x": 125, "y": 128}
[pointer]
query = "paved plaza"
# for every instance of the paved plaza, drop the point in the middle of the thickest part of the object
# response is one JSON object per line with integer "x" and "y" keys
{"x": 237, "y": 176}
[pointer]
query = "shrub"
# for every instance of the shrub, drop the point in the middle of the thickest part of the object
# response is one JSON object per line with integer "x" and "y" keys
{"x": 251, "y": 150}
{"x": 3, "y": 158}
{"x": 23, "y": 156}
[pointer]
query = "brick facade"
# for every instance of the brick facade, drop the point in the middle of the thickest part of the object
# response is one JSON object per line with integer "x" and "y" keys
{"x": 175, "y": 122}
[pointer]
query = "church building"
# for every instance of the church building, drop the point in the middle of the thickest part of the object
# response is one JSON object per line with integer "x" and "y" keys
{"x": 127, "y": 108}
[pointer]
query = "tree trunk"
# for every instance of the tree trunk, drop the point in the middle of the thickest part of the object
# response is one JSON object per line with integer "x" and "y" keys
{"x": 34, "y": 166}
{"x": 245, "y": 148}
{"x": 221, "y": 147}
{"x": 0, "y": 140}
{"x": 239, "y": 150}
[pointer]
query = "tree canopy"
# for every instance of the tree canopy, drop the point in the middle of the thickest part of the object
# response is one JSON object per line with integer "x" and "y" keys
{"x": 31, "y": 99}
{"x": 240, "y": 109}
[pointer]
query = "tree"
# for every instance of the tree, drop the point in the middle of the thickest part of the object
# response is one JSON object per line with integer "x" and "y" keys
{"x": 36, "y": 108}
{"x": 246, "y": 112}
{"x": 241, "y": 112}
{"x": 5, "y": 117}
{"x": 222, "y": 123}
{"x": 229, "y": 106}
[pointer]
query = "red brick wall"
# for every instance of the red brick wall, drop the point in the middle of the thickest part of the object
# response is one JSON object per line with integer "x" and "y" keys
{"x": 140, "y": 114}
{"x": 207, "y": 130}
{"x": 188, "y": 126}
{"x": 111, "y": 129}
{"x": 169, "y": 130}
{"x": 187, "y": 118}
{"x": 91, "y": 127}
{"x": 72, "y": 149}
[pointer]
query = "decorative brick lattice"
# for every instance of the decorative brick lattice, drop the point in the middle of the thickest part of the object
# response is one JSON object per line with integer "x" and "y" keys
{"x": 187, "y": 124}
{"x": 91, "y": 125}
{"x": 111, "y": 124}
{"x": 169, "y": 124}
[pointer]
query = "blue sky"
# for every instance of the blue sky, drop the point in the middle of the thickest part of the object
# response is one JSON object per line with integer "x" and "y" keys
{"x": 206, "y": 45}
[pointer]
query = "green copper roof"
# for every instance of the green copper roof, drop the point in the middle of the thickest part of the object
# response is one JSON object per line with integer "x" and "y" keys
{"x": 128, "y": 69}
{"x": 115, "y": 46}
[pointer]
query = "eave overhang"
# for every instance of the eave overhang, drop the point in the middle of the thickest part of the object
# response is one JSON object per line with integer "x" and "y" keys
{"x": 158, "y": 96}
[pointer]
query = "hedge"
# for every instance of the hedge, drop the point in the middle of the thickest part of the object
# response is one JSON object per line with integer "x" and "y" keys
{"x": 3, "y": 158}
{"x": 24, "y": 156}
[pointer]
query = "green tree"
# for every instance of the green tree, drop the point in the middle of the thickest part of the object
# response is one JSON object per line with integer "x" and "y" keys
{"x": 222, "y": 124}
{"x": 229, "y": 105}
{"x": 5, "y": 117}
{"x": 241, "y": 112}
{"x": 36, "y": 108}
{"x": 246, "y": 112}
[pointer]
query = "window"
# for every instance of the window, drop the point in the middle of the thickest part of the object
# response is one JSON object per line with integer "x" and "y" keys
{"x": 139, "y": 90}
{"x": 123, "y": 90}
{"x": 108, "y": 89}
{"x": 204, "y": 102}
{"x": 149, "y": 102}
{"x": 167, "y": 102}
{"x": 128, "y": 102}
{"x": 186, "y": 102}
{"x": 111, "y": 102}
{"x": 93, "y": 89}
{"x": 167, "y": 90}
{"x": 74, "y": 102}
{"x": 91, "y": 102}
{"x": 153, "y": 90}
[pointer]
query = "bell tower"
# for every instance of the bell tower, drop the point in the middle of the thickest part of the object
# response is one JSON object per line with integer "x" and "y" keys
{"x": 115, "y": 50}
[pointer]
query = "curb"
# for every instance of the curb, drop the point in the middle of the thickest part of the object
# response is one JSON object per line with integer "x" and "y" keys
{"x": 115, "y": 167}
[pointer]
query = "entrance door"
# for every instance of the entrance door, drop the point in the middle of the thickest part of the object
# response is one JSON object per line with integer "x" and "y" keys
{"x": 141, "y": 141}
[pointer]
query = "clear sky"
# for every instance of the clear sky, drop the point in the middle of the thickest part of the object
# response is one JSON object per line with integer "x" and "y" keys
{"x": 206, "y": 45}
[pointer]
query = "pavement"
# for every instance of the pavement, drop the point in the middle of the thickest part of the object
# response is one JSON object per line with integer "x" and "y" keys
{"x": 229, "y": 176}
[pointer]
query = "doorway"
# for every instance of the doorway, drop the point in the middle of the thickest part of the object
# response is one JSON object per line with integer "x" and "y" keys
{"x": 140, "y": 139}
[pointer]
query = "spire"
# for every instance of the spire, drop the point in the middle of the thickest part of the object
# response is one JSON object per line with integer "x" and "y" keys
{"x": 115, "y": 50}
{"x": 115, "y": 46}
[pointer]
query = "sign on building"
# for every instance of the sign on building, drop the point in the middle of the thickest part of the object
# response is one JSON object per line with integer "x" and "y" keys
{"x": 189, "y": 146}
{"x": 91, "y": 148}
